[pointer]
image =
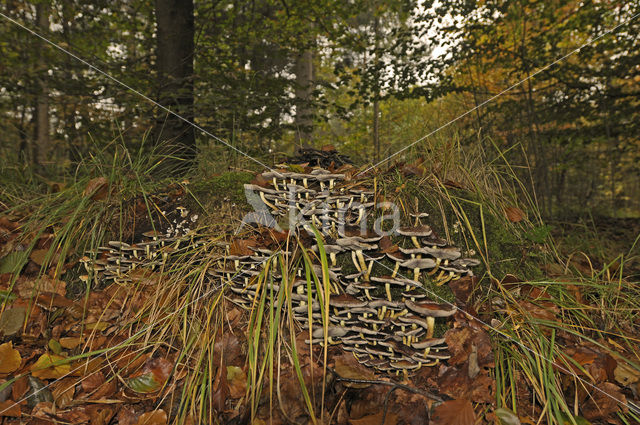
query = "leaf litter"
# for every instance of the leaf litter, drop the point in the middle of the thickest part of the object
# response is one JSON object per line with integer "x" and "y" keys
{"x": 65, "y": 359}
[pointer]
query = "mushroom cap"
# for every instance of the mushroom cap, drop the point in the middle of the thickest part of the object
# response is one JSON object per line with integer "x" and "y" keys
{"x": 432, "y": 240}
{"x": 356, "y": 232}
{"x": 419, "y": 263}
{"x": 332, "y": 331}
{"x": 346, "y": 301}
{"x": 419, "y": 215}
{"x": 467, "y": 262}
{"x": 394, "y": 305}
{"x": 397, "y": 256}
{"x": 388, "y": 279}
{"x": 430, "y": 309}
{"x": 417, "y": 231}
{"x": 255, "y": 187}
{"x": 405, "y": 365}
{"x": 417, "y": 320}
{"x": 329, "y": 248}
{"x": 355, "y": 244}
{"x": 119, "y": 245}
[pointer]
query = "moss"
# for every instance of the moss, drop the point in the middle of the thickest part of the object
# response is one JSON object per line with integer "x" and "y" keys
{"x": 224, "y": 187}
{"x": 509, "y": 250}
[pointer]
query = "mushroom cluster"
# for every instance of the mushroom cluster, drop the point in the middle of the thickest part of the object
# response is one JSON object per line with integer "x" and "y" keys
{"x": 378, "y": 307}
{"x": 113, "y": 262}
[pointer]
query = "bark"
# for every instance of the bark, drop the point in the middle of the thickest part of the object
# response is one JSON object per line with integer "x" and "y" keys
{"x": 175, "y": 47}
{"x": 42, "y": 147}
{"x": 376, "y": 98}
{"x": 304, "y": 91}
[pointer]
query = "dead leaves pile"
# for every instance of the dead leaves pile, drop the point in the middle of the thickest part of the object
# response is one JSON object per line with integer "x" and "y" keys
{"x": 46, "y": 376}
{"x": 66, "y": 361}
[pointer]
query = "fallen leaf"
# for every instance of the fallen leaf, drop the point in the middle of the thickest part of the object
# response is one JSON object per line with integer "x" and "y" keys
{"x": 19, "y": 387}
{"x": 75, "y": 416}
{"x": 50, "y": 366}
{"x": 219, "y": 397}
{"x": 603, "y": 404}
{"x": 10, "y": 408}
{"x": 100, "y": 415}
{"x": 237, "y": 380}
{"x": 348, "y": 367}
{"x": 55, "y": 346}
{"x": 10, "y": 359}
{"x": 375, "y": 419}
{"x": 514, "y": 214}
{"x": 92, "y": 381}
{"x": 70, "y": 342}
{"x": 153, "y": 376}
{"x": 454, "y": 412}
{"x": 12, "y": 320}
{"x": 625, "y": 374}
{"x": 241, "y": 247}
{"x": 97, "y": 189}
{"x": 157, "y": 417}
{"x": 63, "y": 391}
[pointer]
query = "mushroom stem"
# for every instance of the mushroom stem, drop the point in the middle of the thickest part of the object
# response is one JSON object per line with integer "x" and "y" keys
{"x": 416, "y": 274}
{"x": 387, "y": 288}
{"x": 395, "y": 269}
{"x": 333, "y": 258}
{"x": 355, "y": 261}
{"x": 363, "y": 264}
{"x": 414, "y": 239}
{"x": 431, "y": 322}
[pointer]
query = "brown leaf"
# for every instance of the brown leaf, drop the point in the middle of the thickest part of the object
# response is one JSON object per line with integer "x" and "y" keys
{"x": 241, "y": 247}
{"x": 106, "y": 390}
{"x": 237, "y": 380}
{"x": 99, "y": 414}
{"x": 97, "y": 189}
{"x": 28, "y": 287}
{"x": 461, "y": 341}
{"x": 349, "y": 368}
{"x": 92, "y": 382}
{"x": 454, "y": 412}
{"x": 70, "y": 342}
{"x": 63, "y": 391}
{"x": 39, "y": 256}
{"x": 375, "y": 419}
{"x": 19, "y": 388}
{"x": 463, "y": 288}
{"x": 626, "y": 374}
{"x": 10, "y": 408}
{"x": 157, "y": 417}
{"x": 221, "y": 393}
{"x": 10, "y": 359}
{"x": 514, "y": 214}
{"x": 602, "y": 405}
{"x": 74, "y": 416}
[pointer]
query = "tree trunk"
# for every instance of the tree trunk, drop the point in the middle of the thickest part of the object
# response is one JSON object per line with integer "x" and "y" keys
{"x": 175, "y": 47}
{"x": 42, "y": 147}
{"x": 304, "y": 90}
{"x": 376, "y": 98}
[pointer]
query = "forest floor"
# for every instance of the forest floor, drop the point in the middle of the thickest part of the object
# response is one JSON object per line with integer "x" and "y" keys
{"x": 549, "y": 338}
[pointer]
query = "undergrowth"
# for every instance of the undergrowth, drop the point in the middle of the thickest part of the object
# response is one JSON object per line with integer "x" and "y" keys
{"x": 468, "y": 199}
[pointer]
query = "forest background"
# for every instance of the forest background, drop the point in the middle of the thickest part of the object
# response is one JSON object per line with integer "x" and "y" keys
{"x": 367, "y": 76}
